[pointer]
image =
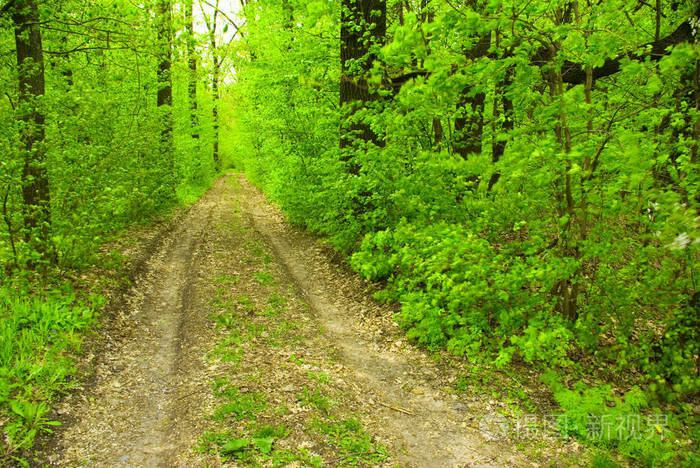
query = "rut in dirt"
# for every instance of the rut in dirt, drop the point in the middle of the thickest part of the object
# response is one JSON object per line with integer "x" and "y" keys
{"x": 129, "y": 417}
{"x": 150, "y": 400}
{"x": 401, "y": 387}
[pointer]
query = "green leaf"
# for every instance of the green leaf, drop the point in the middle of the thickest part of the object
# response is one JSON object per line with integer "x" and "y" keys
{"x": 264, "y": 444}
{"x": 235, "y": 445}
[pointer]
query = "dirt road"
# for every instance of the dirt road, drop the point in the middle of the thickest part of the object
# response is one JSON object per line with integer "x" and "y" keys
{"x": 243, "y": 342}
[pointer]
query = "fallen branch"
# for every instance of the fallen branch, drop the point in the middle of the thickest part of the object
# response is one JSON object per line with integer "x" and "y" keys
{"x": 396, "y": 408}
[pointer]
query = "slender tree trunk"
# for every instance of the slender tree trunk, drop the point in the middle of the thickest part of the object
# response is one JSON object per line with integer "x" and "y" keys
{"x": 192, "y": 65}
{"x": 215, "y": 87}
{"x": 165, "y": 88}
{"x": 216, "y": 74}
{"x": 35, "y": 182}
{"x": 215, "y": 107}
{"x": 360, "y": 30}
{"x": 567, "y": 289}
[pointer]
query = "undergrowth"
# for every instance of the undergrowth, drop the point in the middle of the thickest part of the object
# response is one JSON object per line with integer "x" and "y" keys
{"x": 40, "y": 333}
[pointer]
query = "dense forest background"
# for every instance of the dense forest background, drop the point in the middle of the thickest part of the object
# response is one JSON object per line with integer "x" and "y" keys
{"x": 521, "y": 176}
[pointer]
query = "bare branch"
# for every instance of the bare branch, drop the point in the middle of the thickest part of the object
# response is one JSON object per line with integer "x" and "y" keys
{"x": 228, "y": 18}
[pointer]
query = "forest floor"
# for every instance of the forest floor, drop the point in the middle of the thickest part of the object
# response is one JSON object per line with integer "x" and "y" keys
{"x": 245, "y": 340}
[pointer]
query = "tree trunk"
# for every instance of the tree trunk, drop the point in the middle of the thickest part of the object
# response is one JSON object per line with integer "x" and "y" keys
{"x": 215, "y": 107}
{"x": 360, "y": 30}
{"x": 35, "y": 182}
{"x": 165, "y": 88}
{"x": 469, "y": 125}
{"x": 192, "y": 65}
{"x": 216, "y": 73}
{"x": 498, "y": 143}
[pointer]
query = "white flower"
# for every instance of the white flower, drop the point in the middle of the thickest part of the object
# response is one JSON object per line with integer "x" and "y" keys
{"x": 680, "y": 242}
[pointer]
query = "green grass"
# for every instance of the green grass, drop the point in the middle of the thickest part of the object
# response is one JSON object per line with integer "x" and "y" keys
{"x": 237, "y": 405}
{"x": 264, "y": 279}
{"x": 355, "y": 446}
{"x": 315, "y": 398}
{"x": 226, "y": 279}
{"x": 39, "y": 335}
{"x": 246, "y": 303}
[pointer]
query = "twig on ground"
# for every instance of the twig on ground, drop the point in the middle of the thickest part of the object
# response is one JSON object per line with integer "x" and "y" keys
{"x": 396, "y": 408}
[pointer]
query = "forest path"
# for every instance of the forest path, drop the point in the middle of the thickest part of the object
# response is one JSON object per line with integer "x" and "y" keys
{"x": 238, "y": 296}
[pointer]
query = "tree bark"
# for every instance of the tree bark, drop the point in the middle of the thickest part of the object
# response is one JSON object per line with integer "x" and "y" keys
{"x": 469, "y": 125}
{"x": 363, "y": 26}
{"x": 575, "y": 73}
{"x": 215, "y": 110}
{"x": 216, "y": 73}
{"x": 192, "y": 66}
{"x": 165, "y": 87}
{"x": 35, "y": 182}
{"x": 498, "y": 145}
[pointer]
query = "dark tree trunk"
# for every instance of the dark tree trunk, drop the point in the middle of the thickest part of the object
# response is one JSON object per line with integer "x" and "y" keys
{"x": 35, "y": 181}
{"x": 192, "y": 65}
{"x": 360, "y": 30}
{"x": 165, "y": 87}
{"x": 469, "y": 125}
{"x": 574, "y": 73}
{"x": 216, "y": 73}
{"x": 498, "y": 145}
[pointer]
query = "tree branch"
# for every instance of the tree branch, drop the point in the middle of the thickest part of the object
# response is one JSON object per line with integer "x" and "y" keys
{"x": 233, "y": 23}
{"x": 574, "y": 73}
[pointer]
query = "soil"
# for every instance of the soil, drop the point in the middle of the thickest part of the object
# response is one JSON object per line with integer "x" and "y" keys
{"x": 152, "y": 397}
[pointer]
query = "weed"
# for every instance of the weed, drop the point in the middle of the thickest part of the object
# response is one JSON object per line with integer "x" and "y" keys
{"x": 238, "y": 405}
{"x": 356, "y": 447}
{"x": 314, "y": 398}
{"x": 36, "y": 334}
{"x": 296, "y": 360}
{"x": 264, "y": 279}
{"x": 274, "y": 308}
{"x": 277, "y": 301}
{"x": 246, "y": 303}
{"x": 255, "y": 329}
{"x": 226, "y": 279}
{"x": 270, "y": 311}
{"x": 320, "y": 377}
{"x": 227, "y": 320}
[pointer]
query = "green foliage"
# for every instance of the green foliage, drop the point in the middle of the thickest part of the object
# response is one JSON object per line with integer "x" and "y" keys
{"x": 627, "y": 423}
{"x": 356, "y": 447}
{"x": 237, "y": 405}
{"x": 256, "y": 449}
{"x": 314, "y": 397}
{"x": 103, "y": 130}
{"x": 574, "y": 248}
{"x": 38, "y": 334}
